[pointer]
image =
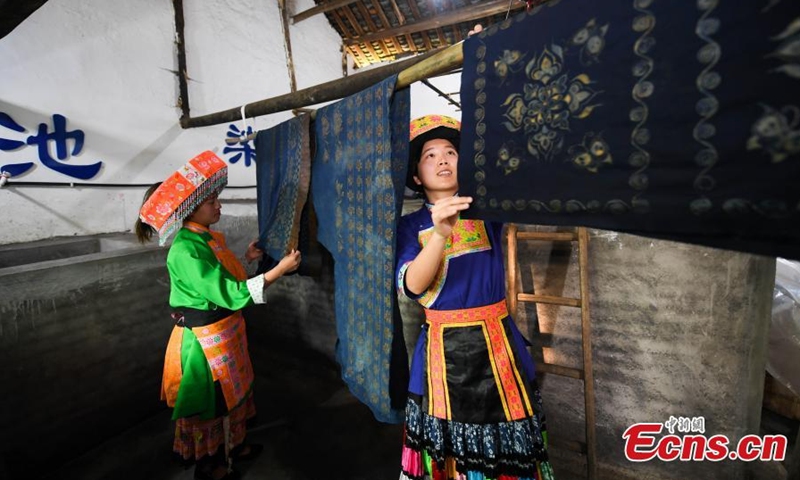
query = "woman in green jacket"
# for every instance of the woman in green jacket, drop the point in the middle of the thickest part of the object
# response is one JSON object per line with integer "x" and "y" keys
{"x": 208, "y": 377}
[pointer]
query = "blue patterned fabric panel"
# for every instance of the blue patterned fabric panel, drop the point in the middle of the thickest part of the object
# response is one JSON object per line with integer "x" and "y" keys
{"x": 283, "y": 173}
{"x": 676, "y": 120}
{"x": 358, "y": 177}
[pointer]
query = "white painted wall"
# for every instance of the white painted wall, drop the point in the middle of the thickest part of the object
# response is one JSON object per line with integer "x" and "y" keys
{"x": 424, "y": 101}
{"x": 107, "y": 65}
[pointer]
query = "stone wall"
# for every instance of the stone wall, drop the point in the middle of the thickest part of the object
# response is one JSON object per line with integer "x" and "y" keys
{"x": 81, "y": 348}
{"x": 677, "y": 330}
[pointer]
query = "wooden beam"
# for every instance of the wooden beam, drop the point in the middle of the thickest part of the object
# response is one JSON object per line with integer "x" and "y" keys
{"x": 456, "y": 31}
{"x": 183, "y": 82}
{"x": 465, "y": 14}
{"x": 409, "y": 71}
{"x": 348, "y": 14}
{"x": 346, "y": 32}
{"x": 418, "y": 17}
{"x": 511, "y": 269}
{"x": 549, "y": 299}
{"x": 559, "y": 370}
{"x": 354, "y": 50}
{"x": 434, "y": 14}
{"x": 287, "y": 44}
{"x": 549, "y": 236}
{"x": 321, "y": 8}
{"x": 384, "y": 44}
{"x": 387, "y": 24}
{"x": 382, "y": 15}
{"x": 401, "y": 19}
{"x": 588, "y": 375}
{"x": 412, "y": 46}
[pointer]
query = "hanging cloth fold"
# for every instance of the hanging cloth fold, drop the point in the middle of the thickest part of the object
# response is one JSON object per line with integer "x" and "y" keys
{"x": 283, "y": 172}
{"x": 675, "y": 120}
{"x": 358, "y": 178}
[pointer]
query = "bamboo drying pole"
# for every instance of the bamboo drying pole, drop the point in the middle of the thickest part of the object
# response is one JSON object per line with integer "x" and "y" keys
{"x": 441, "y": 62}
{"x": 409, "y": 71}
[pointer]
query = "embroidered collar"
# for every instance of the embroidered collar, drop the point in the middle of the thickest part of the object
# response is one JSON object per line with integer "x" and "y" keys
{"x": 196, "y": 227}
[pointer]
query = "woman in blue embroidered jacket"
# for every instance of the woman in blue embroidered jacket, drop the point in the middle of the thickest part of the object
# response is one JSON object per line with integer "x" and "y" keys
{"x": 474, "y": 410}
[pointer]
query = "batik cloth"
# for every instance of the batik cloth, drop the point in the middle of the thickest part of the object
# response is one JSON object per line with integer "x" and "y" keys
{"x": 182, "y": 192}
{"x": 676, "y": 120}
{"x": 207, "y": 369}
{"x": 474, "y": 409}
{"x": 358, "y": 177}
{"x": 283, "y": 173}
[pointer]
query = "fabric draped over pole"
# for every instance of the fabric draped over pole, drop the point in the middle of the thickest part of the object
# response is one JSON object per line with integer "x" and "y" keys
{"x": 675, "y": 120}
{"x": 358, "y": 177}
{"x": 283, "y": 171}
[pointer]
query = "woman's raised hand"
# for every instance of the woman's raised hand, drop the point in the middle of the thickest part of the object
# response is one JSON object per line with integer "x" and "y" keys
{"x": 445, "y": 214}
{"x": 290, "y": 262}
{"x": 253, "y": 252}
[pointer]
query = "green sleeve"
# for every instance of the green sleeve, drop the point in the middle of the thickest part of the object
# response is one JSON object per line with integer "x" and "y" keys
{"x": 198, "y": 278}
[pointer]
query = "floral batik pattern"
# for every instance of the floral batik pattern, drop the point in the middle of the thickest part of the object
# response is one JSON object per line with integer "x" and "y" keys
{"x": 684, "y": 127}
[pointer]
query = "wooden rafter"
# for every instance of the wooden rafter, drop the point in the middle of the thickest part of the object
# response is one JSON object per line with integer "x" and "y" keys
{"x": 345, "y": 35}
{"x": 401, "y": 19}
{"x": 384, "y": 43}
{"x": 381, "y": 30}
{"x": 433, "y": 14}
{"x": 454, "y": 28}
{"x": 348, "y": 14}
{"x": 321, "y": 8}
{"x": 411, "y": 44}
{"x": 376, "y": 5}
{"x": 287, "y": 44}
{"x": 417, "y": 18}
{"x": 358, "y": 54}
{"x": 385, "y": 21}
{"x": 183, "y": 77}
{"x": 466, "y": 14}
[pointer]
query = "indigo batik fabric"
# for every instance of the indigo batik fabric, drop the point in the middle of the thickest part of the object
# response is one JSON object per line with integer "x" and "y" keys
{"x": 676, "y": 120}
{"x": 283, "y": 173}
{"x": 358, "y": 177}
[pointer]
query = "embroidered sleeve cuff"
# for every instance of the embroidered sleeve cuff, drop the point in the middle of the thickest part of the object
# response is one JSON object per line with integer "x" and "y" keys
{"x": 256, "y": 287}
{"x": 401, "y": 283}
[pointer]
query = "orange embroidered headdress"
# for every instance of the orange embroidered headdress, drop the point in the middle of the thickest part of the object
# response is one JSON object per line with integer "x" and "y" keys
{"x": 427, "y": 128}
{"x": 182, "y": 192}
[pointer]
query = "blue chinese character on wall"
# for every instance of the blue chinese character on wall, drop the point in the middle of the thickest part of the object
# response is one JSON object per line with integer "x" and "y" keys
{"x": 244, "y": 150}
{"x": 60, "y": 135}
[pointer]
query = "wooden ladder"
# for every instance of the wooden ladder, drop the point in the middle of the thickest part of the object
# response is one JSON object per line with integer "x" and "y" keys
{"x": 581, "y": 236}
